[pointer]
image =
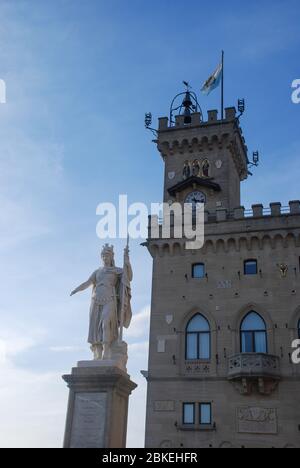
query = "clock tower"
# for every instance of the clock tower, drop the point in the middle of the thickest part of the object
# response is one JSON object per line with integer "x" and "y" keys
{"x": 205, "y": 161}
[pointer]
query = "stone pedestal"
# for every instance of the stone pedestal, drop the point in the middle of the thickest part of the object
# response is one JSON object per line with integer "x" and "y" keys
{"x": 98, "y": 406}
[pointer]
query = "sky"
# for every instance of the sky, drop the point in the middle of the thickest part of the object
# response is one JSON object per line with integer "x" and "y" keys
{"x": 80, "y": 77}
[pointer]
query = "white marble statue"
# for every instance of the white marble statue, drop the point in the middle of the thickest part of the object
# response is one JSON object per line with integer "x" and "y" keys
{"x": 110, "y": 306}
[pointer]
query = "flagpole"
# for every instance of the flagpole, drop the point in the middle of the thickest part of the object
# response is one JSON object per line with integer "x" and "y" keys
{"x": 222, "y": 88}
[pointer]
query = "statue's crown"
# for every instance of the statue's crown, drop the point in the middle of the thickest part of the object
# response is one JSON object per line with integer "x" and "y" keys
{"x": 108, "y": 249}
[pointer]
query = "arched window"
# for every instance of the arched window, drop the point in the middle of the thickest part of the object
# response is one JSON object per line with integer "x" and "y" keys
{"x": 253, "y": 334}
{"x": 198, "y": 338}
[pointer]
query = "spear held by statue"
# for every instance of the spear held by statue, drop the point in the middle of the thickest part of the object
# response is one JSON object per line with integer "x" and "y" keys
{"x": 126, "y": 313}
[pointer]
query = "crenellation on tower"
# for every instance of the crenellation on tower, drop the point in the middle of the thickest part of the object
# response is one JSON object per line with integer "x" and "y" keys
{"x": 197, "y": 121}
{"x": 276, "y": 216}
{"x": 294, "y": 207}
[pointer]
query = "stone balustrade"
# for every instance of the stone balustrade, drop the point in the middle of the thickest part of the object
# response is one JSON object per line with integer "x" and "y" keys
{"x": 253, "y": 365}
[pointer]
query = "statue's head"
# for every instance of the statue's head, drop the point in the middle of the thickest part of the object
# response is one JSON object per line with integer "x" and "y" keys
{"x": 108, "y": 256}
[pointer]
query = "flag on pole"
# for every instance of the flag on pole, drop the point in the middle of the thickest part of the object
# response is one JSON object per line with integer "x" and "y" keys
{"x": 213, "y": 81}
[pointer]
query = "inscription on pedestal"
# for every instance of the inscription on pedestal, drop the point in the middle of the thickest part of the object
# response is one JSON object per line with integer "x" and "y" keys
{"x": 88, "y": 426}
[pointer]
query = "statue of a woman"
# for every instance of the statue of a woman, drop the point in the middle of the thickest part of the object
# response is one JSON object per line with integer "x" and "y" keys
{"x": 205, "y": 168}
{"x": 196, "y": 168}
{"x": 110, "y": 306}
{"x": 186, "y": 170}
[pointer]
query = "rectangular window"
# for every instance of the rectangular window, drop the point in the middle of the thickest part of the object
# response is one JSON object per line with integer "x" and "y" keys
{"x": 188, "y": 413}
{"x": 198, "y": 271}
{"x": 250, "y": 267}
{"x": 205, "y": 414}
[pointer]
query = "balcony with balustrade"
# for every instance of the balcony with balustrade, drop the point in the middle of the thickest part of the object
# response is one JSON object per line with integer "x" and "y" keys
{"x": 251, "y": 372}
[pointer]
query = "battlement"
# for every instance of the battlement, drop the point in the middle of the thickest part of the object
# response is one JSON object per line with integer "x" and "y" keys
{"x": 275, "y": 209}
{"x": 165, "y": 124}
{"x": 276, "y": 219}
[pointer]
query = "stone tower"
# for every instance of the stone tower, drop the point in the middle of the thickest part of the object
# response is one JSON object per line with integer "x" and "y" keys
{"x": 223, "y": 318}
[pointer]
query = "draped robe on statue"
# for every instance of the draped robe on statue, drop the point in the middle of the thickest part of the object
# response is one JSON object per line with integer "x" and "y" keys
{"x": 110, "y": 305}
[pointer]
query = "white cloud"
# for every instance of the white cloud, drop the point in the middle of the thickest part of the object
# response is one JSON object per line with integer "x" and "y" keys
{"x": 137, "y": 348}
{"x": 66, "y": 349}
{"x": 32, "y": 408}
{"x": 137, "y": 414}
{"x": 139, "y": 326}
{"x": 14, "y": 341}
{"x": 32, "y": 405}
{"x": 138, "y": 360}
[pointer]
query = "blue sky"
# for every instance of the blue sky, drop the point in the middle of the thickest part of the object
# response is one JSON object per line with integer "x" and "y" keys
{"x": 80, "y": 76}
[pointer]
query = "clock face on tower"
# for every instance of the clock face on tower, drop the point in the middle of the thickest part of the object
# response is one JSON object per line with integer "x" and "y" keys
{"x": 195, "y": 197}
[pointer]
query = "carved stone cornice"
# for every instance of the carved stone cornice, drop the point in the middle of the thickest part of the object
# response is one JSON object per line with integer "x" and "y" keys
{"x": 191, "y": 181}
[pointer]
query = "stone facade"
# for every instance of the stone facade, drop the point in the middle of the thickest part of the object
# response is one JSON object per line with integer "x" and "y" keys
{"x": 255, "y": 398}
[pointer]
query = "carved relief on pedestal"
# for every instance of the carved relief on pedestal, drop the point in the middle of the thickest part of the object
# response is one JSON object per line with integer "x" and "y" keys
{"x": 253, "y": 420}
